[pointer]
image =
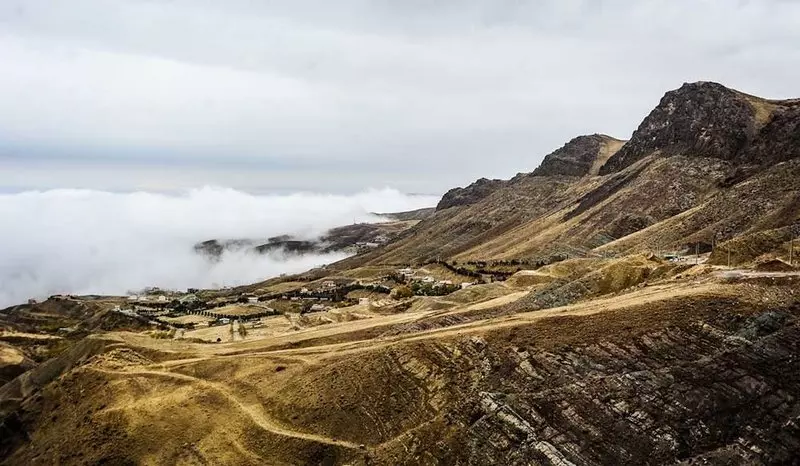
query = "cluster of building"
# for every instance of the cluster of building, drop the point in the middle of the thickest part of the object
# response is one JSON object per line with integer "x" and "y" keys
{"x": 410, "y": 275}
{"x": 362, "y": 246}
{"x": 146, "y": 298}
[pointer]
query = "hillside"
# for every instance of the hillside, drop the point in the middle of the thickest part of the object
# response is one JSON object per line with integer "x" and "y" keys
{"x": 692, "y": 370}
{"x": 682, "y": 178}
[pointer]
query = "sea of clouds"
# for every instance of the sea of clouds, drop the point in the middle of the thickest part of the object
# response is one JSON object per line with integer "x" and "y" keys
{"x": 97, "y": 242}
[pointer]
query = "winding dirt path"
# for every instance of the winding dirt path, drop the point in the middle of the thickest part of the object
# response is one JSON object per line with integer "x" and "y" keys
{"x": 252, "y": 410}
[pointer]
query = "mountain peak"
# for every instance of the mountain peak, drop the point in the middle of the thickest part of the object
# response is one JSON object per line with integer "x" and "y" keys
{"x": 703, "y": 119}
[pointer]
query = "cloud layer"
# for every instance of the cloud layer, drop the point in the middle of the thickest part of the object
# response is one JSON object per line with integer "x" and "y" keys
{"x": 83, "y": 241}
{"x": 416, "y": 95}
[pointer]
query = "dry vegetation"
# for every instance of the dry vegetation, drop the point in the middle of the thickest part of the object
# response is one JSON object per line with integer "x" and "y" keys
{"x": 319, "y": 394}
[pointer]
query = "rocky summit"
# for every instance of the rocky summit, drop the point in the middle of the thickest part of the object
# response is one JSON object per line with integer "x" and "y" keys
{"x": 626, "y": 302}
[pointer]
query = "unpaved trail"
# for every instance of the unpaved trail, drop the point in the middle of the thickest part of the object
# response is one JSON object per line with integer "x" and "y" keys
{"x": 647, "y": 295}
{"x": 319, "y": 353}
{"x": 252, "y": 410}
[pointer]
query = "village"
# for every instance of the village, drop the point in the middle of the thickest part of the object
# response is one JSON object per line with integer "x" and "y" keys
{"x": 229, "y": 314}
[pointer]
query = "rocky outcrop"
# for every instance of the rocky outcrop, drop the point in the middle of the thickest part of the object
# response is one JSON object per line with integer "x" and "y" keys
{"x": 707, "y": 119}
{"x": 705, "y": 395}
{"x": 703, "y": 119}
{"x": 472, "y": 194}
{"x": 581, "y": 156}
{"x": 779, "y": 139}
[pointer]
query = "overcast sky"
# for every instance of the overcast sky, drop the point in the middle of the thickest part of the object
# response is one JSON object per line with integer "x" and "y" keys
{"x": 338, "y": 96}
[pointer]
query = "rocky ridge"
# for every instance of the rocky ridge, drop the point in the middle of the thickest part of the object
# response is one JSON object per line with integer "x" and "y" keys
{"x": 694, "y": 155}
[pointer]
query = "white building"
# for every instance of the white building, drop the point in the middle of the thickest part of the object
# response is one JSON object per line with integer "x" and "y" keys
{"x": 252, "y": 300}
{"x": 133, "y": 297}
{"x": 162, "y": 299}
{"x": 466, "y": 285}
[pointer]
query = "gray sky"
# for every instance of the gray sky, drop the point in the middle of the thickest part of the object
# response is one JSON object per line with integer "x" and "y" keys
{"x": 341, "y": 96}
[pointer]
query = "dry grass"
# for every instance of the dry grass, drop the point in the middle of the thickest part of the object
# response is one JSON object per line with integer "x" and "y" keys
{"x": 314, "y": 395}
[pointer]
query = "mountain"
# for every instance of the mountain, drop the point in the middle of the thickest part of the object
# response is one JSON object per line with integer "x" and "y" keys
{"x": 708, "y": 120}
{"x": 683, "y": 177}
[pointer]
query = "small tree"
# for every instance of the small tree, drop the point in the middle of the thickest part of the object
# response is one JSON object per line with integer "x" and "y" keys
{"x": 401, "y": 292}
{"x": 242, "y": 330}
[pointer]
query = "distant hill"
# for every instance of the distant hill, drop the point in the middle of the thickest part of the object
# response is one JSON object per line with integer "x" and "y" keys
{"x": 357, "y": 237}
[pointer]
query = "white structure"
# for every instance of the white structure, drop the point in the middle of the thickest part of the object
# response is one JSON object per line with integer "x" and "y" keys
{"x": 304, "y": 290}
{"x": 364, "y": 301}
{"x": 466, "y": 285}
{"x": 162, "y": 299}
{"x": 318, "y": 307}
{"x": 429, "y": 279}
{"x": 328, "y": 284}
{"x": 133, "y": 297}
{"x": 252, "y": 300}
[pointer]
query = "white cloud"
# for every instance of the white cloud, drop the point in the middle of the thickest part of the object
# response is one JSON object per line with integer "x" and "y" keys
{"x": 443, "y": 86}
{"x": 83, "y": 241}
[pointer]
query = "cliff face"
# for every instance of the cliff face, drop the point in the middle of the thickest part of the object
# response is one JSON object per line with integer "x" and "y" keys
{"x": 581, "y": 156}
{"x": 779, "y": 138}
{"x": 472, "y": 194}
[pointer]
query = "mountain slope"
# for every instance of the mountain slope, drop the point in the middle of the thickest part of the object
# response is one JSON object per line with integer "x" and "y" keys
{"x": 699, "y": 155}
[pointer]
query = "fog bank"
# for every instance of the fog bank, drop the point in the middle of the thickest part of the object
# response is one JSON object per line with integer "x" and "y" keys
{"x": 85, "y": 241}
